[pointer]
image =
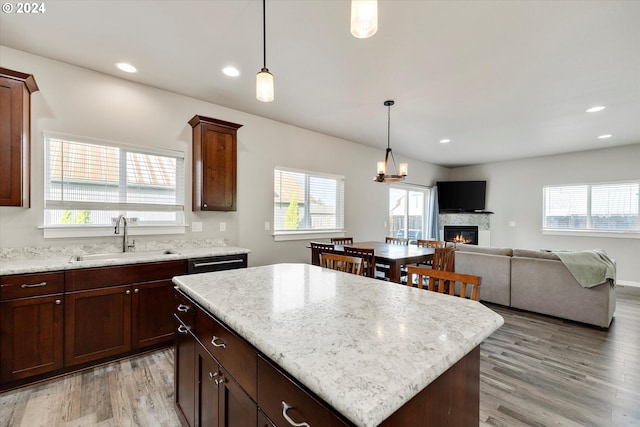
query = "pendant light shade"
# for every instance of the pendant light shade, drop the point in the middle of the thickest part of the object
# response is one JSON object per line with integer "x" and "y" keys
{"x": 264, "y": 86}
{"x": 364, "y": 18}
{"x": 264, "y": 79}
{"x": 402, "y": 170}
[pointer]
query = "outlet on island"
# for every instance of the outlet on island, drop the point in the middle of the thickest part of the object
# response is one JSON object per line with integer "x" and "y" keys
{"x": 223, "y": 226}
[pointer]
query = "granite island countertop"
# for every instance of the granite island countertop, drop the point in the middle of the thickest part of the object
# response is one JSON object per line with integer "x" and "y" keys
{"x": 45, "y": 260}
{"x": 364, "y": 346}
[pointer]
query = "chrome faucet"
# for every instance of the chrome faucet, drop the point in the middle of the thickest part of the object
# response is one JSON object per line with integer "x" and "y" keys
{"x": 125, "y": 245}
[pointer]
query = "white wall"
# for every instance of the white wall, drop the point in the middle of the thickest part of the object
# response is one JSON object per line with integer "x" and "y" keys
{"x": 81, "y": 102}
{"x": 514, "y": 193}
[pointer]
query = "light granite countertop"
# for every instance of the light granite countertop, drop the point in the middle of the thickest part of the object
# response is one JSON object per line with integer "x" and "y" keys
{"x": 364, "y": 346}
{"x": 39, "y": 260}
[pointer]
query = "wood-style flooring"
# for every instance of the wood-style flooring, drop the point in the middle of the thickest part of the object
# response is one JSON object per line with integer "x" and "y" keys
{"x": 535, "y": 371}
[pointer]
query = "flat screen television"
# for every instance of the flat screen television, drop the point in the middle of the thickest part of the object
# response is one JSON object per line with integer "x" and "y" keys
{"x": 461, "y": 196}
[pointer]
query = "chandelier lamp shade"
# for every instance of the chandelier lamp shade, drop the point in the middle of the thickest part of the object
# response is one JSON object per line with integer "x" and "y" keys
{"x": 264, "y": 79}
{"x": 383, "y": 167}
{"x": 364, "y": 18}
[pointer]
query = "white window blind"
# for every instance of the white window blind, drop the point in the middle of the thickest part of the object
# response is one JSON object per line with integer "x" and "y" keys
{"x": 307, "y": 201}
{"x": 92, "y": 182}
{"x": 602, "y": 207}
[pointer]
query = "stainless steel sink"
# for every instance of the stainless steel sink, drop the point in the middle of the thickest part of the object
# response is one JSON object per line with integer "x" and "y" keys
{"x": 120, "y": 255}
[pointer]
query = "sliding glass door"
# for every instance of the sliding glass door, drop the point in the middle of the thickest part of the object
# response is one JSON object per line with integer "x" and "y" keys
{"x": 408, "y": 212}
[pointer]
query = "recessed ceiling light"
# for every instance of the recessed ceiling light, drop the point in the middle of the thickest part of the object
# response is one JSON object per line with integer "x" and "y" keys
{"x": 445, "y": 141}
{"x": 231, "y": 71}
{"x": 596, "y": 109}
{"x": 127, "y": 68}
{"x": 605, "y": 136}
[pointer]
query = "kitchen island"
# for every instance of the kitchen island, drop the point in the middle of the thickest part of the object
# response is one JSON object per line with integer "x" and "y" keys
{"x": 369, "y": 351}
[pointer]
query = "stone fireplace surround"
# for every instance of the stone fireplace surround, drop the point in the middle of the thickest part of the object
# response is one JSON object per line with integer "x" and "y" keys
{"x": 480, "y": 219}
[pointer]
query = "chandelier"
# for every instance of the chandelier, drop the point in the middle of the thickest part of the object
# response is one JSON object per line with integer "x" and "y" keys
{"x": 383, "y": 167}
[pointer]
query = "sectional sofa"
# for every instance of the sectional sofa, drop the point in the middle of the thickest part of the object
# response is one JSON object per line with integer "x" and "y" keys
{"x": 536, "y": 281}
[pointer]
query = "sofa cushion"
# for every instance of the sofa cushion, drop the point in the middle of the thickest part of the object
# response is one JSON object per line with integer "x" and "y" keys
{"x": 484, "y": 250}
{"x": 528, "y": 253}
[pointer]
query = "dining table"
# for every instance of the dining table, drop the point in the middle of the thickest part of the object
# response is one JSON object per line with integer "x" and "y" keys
{"x": 394, "y": 256}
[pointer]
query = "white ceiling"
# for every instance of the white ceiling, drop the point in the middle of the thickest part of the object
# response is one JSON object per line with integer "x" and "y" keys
{"x": 502, "y": 79}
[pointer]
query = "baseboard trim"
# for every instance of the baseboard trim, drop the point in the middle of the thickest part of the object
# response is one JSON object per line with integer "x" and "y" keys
{"x": 628, "y": 283}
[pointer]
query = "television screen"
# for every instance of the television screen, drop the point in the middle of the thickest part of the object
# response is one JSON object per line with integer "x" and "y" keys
{"x": 461, "y": 196}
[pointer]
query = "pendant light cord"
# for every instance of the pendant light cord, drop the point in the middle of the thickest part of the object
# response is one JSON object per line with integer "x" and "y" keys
{"x": 388, "y": 126}
{"x": 264, "y": 33}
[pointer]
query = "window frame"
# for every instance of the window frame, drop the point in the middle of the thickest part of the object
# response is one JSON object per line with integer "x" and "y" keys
{"x": 136, "y": 227}
{"x": 310, "y": 233}
{"x": 588, "y": 231}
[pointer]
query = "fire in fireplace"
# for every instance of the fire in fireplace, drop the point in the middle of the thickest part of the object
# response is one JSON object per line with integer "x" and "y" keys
{"x": 461, "y": 234}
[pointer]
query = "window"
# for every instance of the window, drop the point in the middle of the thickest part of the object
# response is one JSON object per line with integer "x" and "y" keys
{"x": 307, "y": 202}
{"x": 90, "y": 183}
{"x": 592, "y": 207}
{"x": 407, "y": 212}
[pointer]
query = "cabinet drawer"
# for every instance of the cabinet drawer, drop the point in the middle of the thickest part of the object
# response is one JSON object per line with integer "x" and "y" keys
{"x": 100, "y": 277}
{"x": 237, "y": 357}
{"x": 30, "y": 285}
{"x": 275, "y": 388}
{"x": 185, "y": 309}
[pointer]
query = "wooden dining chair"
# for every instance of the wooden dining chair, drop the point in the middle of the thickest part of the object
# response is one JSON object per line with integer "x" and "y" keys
{"x": 445, "y": 281}
{"x": 396, "y": 241}
{"x": 342, "y": 240}
{"x": 346, "y": 263}
{"x": 431, "y": 243}
{"x": 368, "y": 259}
{"x": 443, "y": 259}
{"x": 317, "y": 248}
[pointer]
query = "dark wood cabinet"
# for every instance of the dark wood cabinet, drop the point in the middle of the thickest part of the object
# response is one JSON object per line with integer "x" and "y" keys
{"x": 97, "y": 324}
{"x": 185, "y": 360}
{"x": 152, "y": 313}
{"x": 214, "y": 164}
{"x": 31, "y": 327}
{"x": 15, "y": 114}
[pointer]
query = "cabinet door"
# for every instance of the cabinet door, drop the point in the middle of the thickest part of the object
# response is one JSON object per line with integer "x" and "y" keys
{"x": 236, "y": 407}
{"x": 31, "y": 339}
{"x": 15, "y": 90}
{"x": 184, "y": 375}
{"x": 152, "y": 313}
{"x": 264, "y": 421}
{"x": 208, "y": 386}
{"x": 97, "y": 324}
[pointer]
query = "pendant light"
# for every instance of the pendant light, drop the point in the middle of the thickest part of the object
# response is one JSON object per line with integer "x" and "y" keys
{"x": 264, "y": 79}
{"x": 383, "y": 167}
{"x": 364, "y": 18}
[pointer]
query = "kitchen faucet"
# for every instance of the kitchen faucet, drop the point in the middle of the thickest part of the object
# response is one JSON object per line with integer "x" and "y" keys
{"x": 125, "y": 245}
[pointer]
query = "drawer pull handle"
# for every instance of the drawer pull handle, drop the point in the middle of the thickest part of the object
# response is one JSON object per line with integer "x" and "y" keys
{"x": 183, "y": 308}
{"x": 285, "y": 408}
{"x": 183, "y": 329}
{"x": 207, "y": 264}
{"x": 35, "y": 285}
{"x": 219, "y": 344}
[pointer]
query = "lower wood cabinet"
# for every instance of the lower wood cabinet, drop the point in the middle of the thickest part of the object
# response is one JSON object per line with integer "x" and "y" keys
{"x": 152, "y": 314}
{"x": 31, "y": 326}
{"x": 184, "y": 360}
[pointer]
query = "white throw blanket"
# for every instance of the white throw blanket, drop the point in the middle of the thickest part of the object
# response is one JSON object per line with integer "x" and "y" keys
{"x": 590, "y": 268}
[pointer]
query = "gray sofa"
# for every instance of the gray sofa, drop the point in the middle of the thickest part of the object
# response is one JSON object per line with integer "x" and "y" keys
{"x": 535, "y": 281}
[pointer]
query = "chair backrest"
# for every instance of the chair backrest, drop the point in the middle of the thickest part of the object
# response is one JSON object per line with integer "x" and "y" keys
{"x": 368, "y": 259}
{"x": 317, "y": 248}
{"x": 342, "y": 240}
{"x": 443, "y": 258}
{"x": 445, "y": 281}
{"x": 346, "y": 263}
{"x": 431, "y": 243}
{"x": 397, "y": 241}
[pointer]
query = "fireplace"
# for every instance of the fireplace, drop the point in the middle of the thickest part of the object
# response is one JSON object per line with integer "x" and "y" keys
{"x": 461, "y": 234}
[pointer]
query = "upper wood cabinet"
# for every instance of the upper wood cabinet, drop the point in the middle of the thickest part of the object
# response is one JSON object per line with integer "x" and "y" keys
{"x": 15, "y": 129}
{"x": 214, "y": 164}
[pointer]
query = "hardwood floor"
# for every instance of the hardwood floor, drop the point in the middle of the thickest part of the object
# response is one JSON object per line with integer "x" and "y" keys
{"x": 535, "y": 371}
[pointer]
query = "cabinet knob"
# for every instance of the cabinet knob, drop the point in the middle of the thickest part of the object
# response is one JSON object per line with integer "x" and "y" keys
{"x": 128, "y": 292}
{"x": 286, "y": 416}
{"x": 58, "y": 302}
{"x": 136, "y": 290}
{"x": 212, "y": 375}
{"x": 220, "y": 380}
{"x": 204, "y": 205}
